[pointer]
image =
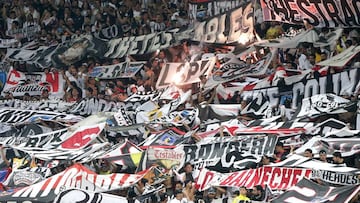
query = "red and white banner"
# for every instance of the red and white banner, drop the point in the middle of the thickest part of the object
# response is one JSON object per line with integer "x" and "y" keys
{"x": 82, "y": 137}
{"x": 19, "y": 83}
{"x": 277, "y": 178}
{"x": 76, "y": 176}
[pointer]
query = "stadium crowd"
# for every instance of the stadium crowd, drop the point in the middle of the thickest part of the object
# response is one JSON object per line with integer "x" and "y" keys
{"x": 60, "y": 20}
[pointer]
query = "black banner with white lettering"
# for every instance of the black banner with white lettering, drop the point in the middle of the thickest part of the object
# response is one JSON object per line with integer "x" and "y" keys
{"x": 344, "y": 82}
{"x": 235, "y": 26}
{"x": 233, "y": 153}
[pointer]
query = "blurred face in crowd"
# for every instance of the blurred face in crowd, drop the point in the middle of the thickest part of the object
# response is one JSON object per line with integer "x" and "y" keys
{"x": 74, "y": 92}
{"x": 255, "y": 191}
{"x": 337, "y": 160}
{"x": 211, "y": 195}
{"x": 243, "y": 191}
{"x": 180, "y": 196}
{"x": 322, "y": 157}
{"x": 188, "y": 168}
{"x": 158, "y": 18}
{"x": 308, "y": 154}
{"x": 311, "y": 59}
{"x": 178, "y": 186}
{"x": 323, "y": 56}
{"x": 162, "y": 55}
{"x": 72, "y": 70}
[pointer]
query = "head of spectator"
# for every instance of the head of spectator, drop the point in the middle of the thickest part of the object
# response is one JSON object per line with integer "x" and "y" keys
{"x": 44, "y": 94}
{"x": 179, "y": 195}
{"x": 257, "y": 193}
{"x": 178, "y": 185}
{"x": 323, "y": 156}
{"x": 188, "y": 168}
{"x": 337, "y": 158}
{"x": 279, "y": 147}
{"x": 280, "y": 152}
{"x": 243, "y": 194}
{"x": 105, "y": 167}
{"x": 74, "y": 95}
{"x": 311, "y": 58}
{"x": 73, "y": 70}
{"x": 348, "y": 43}
{"x": 211, "y": 193}
{"x": 26, "y": 97}
{"x": 308, "y": 153}
{"x": 323, "y": 55}
{"x": 12, "y": 14}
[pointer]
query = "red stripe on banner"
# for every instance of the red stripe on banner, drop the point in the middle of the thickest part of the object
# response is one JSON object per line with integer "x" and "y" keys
{"x": 232, "y": 129}
{"x": 44, "y": 186}
{"x": 123, "y": 179}
{"x": 249, "y": 87}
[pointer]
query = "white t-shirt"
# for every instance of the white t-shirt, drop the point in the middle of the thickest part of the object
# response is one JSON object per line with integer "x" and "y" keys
{"x": 304, "y": 63}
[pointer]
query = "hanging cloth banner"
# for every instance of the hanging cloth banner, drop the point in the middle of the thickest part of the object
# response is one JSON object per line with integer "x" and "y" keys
{"x": 235, "y": 26}
{"x": 120, "y": 70}
{"x": 331, "y": 13}
{"x": 184, "y": 73}
{"x": 277, "y": 178}
{"x": 76, "y": 176}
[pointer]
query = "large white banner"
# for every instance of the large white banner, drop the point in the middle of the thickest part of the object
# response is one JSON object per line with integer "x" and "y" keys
{"x": 184, "y": 73}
